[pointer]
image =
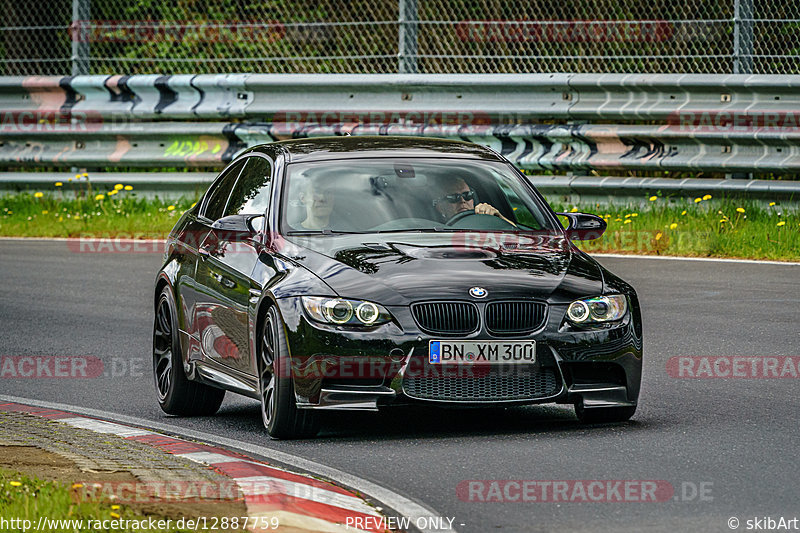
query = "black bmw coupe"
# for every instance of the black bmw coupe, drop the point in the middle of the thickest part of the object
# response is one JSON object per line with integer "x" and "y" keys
{"x": 353, "y": 273}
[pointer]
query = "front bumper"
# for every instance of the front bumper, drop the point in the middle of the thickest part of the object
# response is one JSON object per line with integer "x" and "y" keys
{"x": 365, "y": 369}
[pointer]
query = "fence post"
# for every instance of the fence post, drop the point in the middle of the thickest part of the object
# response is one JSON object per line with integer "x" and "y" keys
{"x": 743, "y": 36}
{"x": 81, "y": 13}
{"x": 407, "y": 37}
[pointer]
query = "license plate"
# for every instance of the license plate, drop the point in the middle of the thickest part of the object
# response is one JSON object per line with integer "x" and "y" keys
{"x": 481, "y": 352}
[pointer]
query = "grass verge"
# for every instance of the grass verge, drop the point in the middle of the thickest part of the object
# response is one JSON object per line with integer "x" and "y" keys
{"x": 701, "y": 227}
{"x": 38, "y": 492}
{"x": 24, "y": 500}
{"x": 123, "y": 214}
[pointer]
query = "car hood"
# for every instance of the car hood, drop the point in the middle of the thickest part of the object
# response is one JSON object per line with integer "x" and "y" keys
{"x": 397, "y": 269}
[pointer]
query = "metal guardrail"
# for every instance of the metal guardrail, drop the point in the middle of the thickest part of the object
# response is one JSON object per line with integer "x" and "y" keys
{"x": 689, "y": 122}
{"x": 532, "y": 147}
{"x": 522, "y": 96}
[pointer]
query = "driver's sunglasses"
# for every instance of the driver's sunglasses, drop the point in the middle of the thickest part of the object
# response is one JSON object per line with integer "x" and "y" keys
{"x": 455, "y": 198}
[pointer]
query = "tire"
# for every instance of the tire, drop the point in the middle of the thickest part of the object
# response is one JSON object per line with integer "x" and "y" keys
{"x": 176, "y": 394}
{"x": 279, "y": 412}
{"x": 603, "y": 415}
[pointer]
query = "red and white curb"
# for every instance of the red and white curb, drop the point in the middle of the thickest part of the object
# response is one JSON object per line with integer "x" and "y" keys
{"x": 298, "y": 502}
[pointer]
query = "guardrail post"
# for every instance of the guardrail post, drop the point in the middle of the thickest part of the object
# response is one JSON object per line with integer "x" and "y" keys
{"x": 81, "y": 12}
{"x": 743, "y": 36}
{"x": 407, "y": 37}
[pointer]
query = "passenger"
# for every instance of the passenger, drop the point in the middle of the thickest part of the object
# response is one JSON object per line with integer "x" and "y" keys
{"x": 456, "y": 197}
{"x": 318, "y": 198}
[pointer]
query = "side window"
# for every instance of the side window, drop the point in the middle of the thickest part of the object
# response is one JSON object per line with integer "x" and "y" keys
{"x": 218, "y": 196}
{"x": 250, "y": 195}
{"x": 522, "y": 213}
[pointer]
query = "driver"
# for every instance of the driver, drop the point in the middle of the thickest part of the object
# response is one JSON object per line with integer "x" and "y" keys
{"x": 456, "y": 196}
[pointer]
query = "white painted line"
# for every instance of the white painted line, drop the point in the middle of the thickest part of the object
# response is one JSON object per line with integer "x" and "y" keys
{"x": 101, "y": 426}
{"x": 210, "y": 458}
{"x": 702, "y": 259}
{"x": 266, "y": 485}
{"x": 78, "y": 239}
{"x": 624, "y": 256}
{"x": 388, "y": 498}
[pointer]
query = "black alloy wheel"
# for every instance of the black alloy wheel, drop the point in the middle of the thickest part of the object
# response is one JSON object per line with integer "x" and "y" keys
{"x": 176, "y": 394}
{"x": 279, "y": 412}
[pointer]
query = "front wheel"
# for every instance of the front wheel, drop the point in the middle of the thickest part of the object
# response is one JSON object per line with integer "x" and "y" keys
{"x": 601, "y": 415}
{"x": 176, "y": 394}
{"x": 279, "y": 412}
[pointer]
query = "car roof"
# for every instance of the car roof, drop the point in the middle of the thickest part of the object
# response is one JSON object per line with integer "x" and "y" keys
{"x": 357, "y": 146}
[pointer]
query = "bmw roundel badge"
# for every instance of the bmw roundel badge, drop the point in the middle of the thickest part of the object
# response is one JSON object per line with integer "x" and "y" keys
{"x": 478, "y": 292}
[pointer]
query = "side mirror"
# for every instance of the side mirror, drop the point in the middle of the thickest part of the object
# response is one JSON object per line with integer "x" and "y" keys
{"x": 247, "y": 224}
{"x": 584, "y": 227}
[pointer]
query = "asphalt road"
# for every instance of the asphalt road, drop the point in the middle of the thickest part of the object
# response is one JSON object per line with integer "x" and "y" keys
{"x": 735, "y": 439}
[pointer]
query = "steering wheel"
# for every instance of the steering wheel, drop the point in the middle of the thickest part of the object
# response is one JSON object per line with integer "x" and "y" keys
{"x": 461, "y": 215}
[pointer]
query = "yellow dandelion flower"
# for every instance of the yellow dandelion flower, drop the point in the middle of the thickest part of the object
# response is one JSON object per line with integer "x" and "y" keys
{"x": 77, "y": 485}
{"x": 573, "y": 210}
{"x": 683, "y": 212}
{"x": 634, "y": 214}
{"x": 617, "y": 220}
{"x": 628, "y": 221}
{"x": 194, "y": 204}
{"x": 38, "y": 194}
{"x": 77, "y": 176}
{"x": 114, "y": 515}
{"x": 113, "y": 192}
{"x": 118, "y": 187}
{"x": 15, "y": 483}
{"x": 722, "y": 220}
{"x": 170, "y": 208}
{"x": 658, "y": 236}
{"x": 59, "y": 184}
{"x": 100, "y": 197}
{"x": 782, "y": 223}
{"x": 45, "y": 212}
{"x": 698, "y": 200}
{"x": 128, "y": 187}
{"x": 85, "y": 174}
{"x": 628, "y": 215}
{"x": 115, "y": 507}
{"x": 673, "y": 225}
{"x": 653, "y": 198}
{"x": 707, "y": 197}
{"x": 771, "y": 204}
{"x": 740, "y": 209}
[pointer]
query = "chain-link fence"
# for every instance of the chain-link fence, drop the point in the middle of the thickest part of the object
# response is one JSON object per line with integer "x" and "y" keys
{"x": 59, "y": 37}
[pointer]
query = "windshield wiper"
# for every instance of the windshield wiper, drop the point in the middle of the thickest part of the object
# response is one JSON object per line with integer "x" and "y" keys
{"x": 407, "y": 230}
{"x": 326, "y": 231}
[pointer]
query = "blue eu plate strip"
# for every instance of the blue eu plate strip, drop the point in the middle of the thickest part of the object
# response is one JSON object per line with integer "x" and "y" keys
{"x": 435, "y": 352}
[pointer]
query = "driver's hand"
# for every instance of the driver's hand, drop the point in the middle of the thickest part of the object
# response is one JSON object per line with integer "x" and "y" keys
{"x": 486, "y": 209}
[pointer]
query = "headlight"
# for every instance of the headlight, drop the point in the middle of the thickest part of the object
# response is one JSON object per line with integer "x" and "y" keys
{"x": 599, "y": 309}
{"x": 345, "y": 312}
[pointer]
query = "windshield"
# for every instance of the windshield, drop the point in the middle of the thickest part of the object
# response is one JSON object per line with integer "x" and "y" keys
{"x": 393, "y": 195}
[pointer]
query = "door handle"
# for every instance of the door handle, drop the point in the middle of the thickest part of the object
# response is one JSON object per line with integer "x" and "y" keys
{"x": 222, "y": 280}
